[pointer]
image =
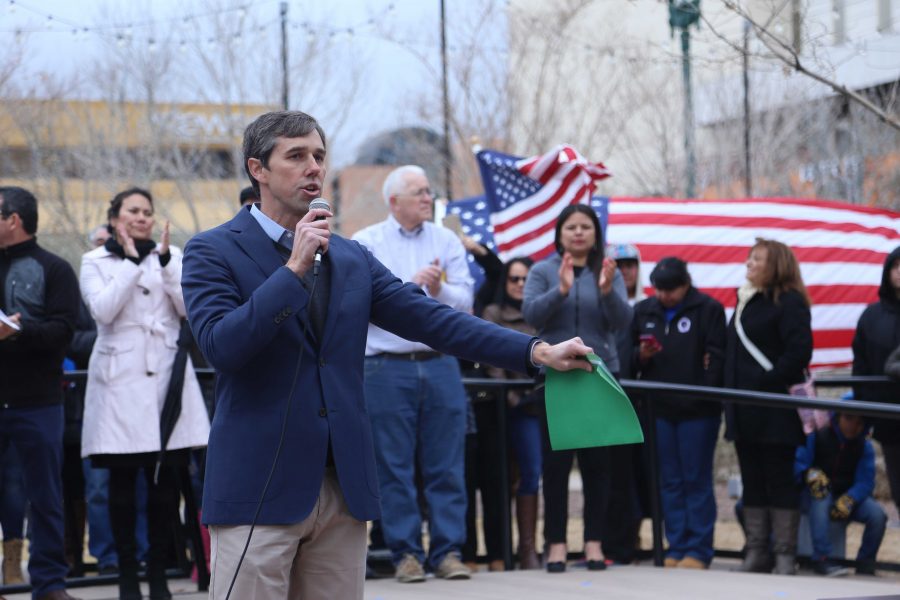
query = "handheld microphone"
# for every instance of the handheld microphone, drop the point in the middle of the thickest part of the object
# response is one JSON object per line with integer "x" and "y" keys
{"x": 319, "y": 203}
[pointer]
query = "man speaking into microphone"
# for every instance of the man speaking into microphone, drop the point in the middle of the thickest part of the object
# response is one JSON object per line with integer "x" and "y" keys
{"x": 290, "y": 451}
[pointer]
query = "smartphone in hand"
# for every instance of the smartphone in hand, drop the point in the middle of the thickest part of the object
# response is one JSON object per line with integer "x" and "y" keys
{"x": 651, "y": 340}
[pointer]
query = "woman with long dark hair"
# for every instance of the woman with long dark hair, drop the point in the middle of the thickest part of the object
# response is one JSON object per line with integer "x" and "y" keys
{"x": 577, "y": 292}
{"x": 132, "y": 286}
{"x": 768, "y": 348}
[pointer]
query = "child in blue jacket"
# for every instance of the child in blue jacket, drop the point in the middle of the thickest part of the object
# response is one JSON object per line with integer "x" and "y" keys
{"x": 837, "y": 464}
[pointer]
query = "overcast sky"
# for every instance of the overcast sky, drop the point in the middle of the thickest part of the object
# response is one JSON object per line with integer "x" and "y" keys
{"x": 62, "y": 36}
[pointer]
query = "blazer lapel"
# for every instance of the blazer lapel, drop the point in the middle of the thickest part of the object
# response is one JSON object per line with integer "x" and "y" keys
{"x": 254, "y": 242}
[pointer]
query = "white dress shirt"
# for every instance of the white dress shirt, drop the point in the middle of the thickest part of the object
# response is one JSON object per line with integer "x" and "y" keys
{"x": 406, "y": 253}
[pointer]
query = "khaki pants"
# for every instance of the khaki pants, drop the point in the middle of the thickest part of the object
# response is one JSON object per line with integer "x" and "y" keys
{"x": 321, "y": 558}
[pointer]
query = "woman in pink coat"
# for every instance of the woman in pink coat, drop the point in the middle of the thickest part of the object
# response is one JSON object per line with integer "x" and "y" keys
{"x": 132, "y": 286}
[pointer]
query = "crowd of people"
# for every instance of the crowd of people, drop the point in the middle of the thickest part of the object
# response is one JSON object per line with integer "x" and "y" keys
{"x": 680, "y": 335}
{"x": 381, "y": 320}
{"x": 81, "y": 447}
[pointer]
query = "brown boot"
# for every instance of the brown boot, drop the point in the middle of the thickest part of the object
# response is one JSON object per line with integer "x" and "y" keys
{"x": 785, "y": 523}
{"x": 757, "y": 528}
{"x": 12, "y": 562}
{"x": 526, "y": 519}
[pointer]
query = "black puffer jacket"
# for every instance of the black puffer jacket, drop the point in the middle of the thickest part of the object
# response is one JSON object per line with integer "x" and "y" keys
{"x": 696, "y": 329}
{"x": 877, "y": 335}
{"x": 782, "y": 331}
{"x": 43, "y": 288}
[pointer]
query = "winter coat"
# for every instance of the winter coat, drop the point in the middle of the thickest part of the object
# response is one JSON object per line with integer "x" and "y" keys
{"x": 583, "y": 312}
{"x": 697, "y": 328}
{"x": 41, "y": 287}
{"x": 849, "y": 464}
{"x": 877, "y": 335}
{"x": 511, "y": 318}
{"x": 782, "y": 331}
{"x": 138, "y": 310}
{"x": 892, "y": 364}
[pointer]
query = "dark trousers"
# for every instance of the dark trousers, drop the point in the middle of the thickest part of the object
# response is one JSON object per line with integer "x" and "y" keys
{"x": 12, "y": 495}
{"x": 483, "y": 473}
{"x": 767, "y": 473}
{"x": 594, "y": 464}
{"x": 623, "y": 515}
{"x": 37, "y": 435}
{"x": 162, "y": 516}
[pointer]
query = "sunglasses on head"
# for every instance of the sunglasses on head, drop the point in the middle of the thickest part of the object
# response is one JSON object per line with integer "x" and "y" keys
{"x": 516, "y": 278}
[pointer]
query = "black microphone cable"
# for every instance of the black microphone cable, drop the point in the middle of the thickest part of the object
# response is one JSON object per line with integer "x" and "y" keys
{"x": 287, "y": 412}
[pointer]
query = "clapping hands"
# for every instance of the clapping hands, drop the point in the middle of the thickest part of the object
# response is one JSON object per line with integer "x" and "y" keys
{"x": 430, "y": 278}
{"x": 607, "y": 274}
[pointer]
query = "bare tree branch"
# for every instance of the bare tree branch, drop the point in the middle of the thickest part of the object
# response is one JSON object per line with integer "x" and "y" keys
{"x": 789, "y": 56}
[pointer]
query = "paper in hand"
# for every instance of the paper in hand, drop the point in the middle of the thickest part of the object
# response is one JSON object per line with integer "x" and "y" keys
{"x": 7, "y": 321}
{"x": 585, "y": 410}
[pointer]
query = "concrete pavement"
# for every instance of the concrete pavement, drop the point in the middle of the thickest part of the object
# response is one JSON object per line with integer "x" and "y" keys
{"x": 617, "y": 583}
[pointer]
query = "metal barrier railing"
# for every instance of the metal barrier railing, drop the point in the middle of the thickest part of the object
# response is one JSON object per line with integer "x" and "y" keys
{"x": 645, "y": 389}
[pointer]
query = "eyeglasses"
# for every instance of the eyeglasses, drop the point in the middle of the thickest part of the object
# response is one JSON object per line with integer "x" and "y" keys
{"x": 517, "y": 278}
{"x": 420, "y": 192}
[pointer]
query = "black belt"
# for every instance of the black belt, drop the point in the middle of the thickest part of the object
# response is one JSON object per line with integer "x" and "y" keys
{"x": 411, "y": 356}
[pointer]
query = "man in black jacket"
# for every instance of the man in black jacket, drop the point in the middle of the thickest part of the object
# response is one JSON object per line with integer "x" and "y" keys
{"x": 39, "y": 293}
{"x": 679, "y": 336}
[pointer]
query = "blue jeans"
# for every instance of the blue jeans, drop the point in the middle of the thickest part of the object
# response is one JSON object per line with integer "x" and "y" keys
{"x": 867, "y": 512}
{"x": 685, "y": 450}
{"x": 418, "y": 413}
{"x": 12, "y": 495}
{"x": 37, "y": 436}
{"x": 100, "y": 538}
{"x": 525, "y": 435}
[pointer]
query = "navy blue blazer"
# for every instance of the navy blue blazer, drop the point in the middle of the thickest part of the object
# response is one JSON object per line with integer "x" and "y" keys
{"x": 247, "y": 313}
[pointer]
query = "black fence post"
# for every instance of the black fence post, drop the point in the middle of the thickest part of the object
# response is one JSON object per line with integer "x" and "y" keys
{"x": 653, "y": 477}
{"x": 502, "y": 452}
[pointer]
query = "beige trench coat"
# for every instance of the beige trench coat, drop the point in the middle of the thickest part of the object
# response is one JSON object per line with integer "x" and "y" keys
{"x": 138, "y": 310}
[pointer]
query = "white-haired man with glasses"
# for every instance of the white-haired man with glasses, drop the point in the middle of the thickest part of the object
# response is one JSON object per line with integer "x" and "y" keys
{"x": 414, "y": 395}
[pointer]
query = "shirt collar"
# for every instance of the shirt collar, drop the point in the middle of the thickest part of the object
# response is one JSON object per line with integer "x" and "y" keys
{"x": 407, "y": 233}
{"x": 276, "y": 232}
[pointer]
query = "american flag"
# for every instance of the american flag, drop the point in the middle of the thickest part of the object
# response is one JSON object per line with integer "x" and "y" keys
{"x": 475, "y": 218}
{"x": 841, "y": 249}
{"x": 524, "y": 196}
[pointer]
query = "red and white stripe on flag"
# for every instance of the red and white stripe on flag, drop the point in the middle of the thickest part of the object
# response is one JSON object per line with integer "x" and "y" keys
{"x": 526, "y": 227}
{"x": 841, "y": 249}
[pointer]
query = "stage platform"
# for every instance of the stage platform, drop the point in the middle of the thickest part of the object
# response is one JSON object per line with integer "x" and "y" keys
{"x": 617, "y": 583}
